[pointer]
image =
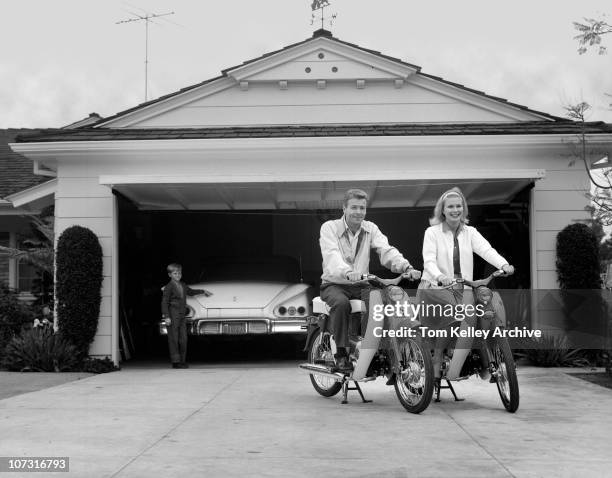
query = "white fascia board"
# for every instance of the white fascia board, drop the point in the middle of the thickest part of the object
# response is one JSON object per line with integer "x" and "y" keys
{"x": 315, "y": 176}
{"x": 169, "y": 104}
{"x": 475, "y": 99}
{"x": 394, "y": 68}
{"x": 145, "y": 149}
{"x": 34, "y": 193}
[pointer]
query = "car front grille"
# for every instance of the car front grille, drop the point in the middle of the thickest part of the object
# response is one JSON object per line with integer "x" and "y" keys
{"x": 231, "y": 327}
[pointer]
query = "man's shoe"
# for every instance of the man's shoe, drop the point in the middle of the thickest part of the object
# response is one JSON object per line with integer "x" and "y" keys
{"x": 183, "y": 365}
{"x": 176, "y": 365}
{"x": 391, "y": 380}
{"x": 344, "y": 365}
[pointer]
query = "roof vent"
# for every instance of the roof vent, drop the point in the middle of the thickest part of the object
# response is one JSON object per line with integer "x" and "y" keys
{"x": 321, "y": 32}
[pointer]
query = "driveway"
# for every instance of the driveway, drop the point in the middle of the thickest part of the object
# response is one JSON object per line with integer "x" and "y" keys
{"x": 266, "y": 420}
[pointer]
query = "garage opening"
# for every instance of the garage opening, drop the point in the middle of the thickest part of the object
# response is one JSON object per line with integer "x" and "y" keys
{"x": 208, "y": 227}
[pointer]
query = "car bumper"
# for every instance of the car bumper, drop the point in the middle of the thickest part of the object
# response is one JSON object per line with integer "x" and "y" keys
{"x": 242, "y": 326}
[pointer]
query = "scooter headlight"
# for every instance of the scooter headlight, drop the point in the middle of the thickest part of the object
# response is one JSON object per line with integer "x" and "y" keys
{"x": 396, "y": 294}
{"x": 483, "y": 295}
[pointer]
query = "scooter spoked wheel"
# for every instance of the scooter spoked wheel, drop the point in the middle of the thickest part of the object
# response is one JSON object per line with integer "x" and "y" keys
{"x": 507, "y": 383}
{"x": 321, "y": 353}
{"x": 415, "y": 383}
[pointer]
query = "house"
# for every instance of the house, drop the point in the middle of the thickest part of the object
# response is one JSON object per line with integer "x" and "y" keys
{"x": 252, "y": 161}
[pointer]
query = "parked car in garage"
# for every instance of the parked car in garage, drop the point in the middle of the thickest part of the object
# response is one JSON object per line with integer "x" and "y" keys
{"x": 250, "y": 296}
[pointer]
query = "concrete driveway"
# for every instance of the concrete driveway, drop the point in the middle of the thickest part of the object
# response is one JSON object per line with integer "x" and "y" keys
{"x": 265, "y": 420}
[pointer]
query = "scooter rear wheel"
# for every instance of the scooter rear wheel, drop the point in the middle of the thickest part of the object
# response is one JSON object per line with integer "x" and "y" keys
{"x": 507, "y": 383}
{"x": 415, "y": 382}
{"x": 321, "y": 353}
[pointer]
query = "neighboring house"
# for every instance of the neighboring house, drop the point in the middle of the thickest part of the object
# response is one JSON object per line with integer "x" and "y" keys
{"x": 24, "y": 190}
{"x": 251, "y": 162}
{"x": 17, "y": 176}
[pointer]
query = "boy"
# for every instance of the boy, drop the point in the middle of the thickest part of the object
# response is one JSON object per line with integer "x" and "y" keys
{"x": 174, "y": 305}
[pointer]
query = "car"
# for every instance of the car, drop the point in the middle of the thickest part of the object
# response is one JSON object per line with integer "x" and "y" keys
{"x": 250, "y": 296}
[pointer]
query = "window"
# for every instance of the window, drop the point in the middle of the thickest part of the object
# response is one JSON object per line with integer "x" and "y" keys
{"x": 27, "y": 274}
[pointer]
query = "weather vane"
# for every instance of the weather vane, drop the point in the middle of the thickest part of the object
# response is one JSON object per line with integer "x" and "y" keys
{"x": 320, "y": 5}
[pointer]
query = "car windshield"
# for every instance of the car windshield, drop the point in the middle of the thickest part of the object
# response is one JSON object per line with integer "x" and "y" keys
{"x": 281, "y": 269}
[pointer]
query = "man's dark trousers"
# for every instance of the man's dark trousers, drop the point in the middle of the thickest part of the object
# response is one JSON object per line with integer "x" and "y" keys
{"x": 337, "y": 297}
{"x": 177, "y": 340}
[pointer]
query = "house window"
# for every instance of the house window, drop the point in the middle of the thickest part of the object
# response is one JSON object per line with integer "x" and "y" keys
{"x": 27, "y": 275}
{"x": 4, "y": 260}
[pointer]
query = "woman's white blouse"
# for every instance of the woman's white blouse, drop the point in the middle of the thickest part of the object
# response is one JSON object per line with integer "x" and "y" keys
{"x": 438, "y": 252}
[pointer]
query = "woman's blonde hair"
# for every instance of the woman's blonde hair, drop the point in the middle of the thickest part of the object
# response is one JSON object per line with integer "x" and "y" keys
{"x": 438, "y": 214}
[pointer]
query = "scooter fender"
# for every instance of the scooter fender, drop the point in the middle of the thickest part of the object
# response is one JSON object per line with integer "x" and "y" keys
{"x": 369, "y": 345}
{"x": 462, "y": 349}
{"x": 314, "y": 324}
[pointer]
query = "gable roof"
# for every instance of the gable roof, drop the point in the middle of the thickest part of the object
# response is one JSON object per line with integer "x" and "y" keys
{"x": 234, "y": 73}
{"x": 17, "y": 170}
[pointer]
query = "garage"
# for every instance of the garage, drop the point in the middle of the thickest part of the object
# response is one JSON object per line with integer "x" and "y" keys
{"x": 250, "y": 163}
{"x": 207, "y": 227}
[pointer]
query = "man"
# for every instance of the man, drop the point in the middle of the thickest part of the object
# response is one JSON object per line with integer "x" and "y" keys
{"x": 345, "y": 247}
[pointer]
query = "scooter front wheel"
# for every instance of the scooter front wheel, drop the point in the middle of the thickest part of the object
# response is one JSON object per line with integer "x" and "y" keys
{"x": 415, "y": 382}
{"x": 507, "y": 383}
{"x": 321, "y": 353}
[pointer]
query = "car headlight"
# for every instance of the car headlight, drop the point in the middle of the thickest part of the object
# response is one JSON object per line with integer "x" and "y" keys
{"x": 190, "y": 312}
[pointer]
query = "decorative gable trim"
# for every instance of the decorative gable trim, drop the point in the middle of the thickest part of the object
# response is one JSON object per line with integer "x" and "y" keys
{"x": 315, "y": 52}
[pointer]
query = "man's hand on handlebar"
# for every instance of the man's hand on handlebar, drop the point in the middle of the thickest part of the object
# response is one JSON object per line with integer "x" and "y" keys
{"x": 354, "y": 276}
{"x": 444, "y": 281}
{"x": 508, "y": 269}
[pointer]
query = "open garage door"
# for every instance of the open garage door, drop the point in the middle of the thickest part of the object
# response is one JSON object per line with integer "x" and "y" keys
{"x": 201, "y": 224}
{"x": 480, "y": 188}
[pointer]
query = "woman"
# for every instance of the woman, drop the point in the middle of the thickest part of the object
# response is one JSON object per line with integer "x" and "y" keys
{"x": 448, "y": 248}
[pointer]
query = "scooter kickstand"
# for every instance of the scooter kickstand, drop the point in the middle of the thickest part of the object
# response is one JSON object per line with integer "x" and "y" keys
{"x": 438, "y": 385}
{"x": 346, "y": 388}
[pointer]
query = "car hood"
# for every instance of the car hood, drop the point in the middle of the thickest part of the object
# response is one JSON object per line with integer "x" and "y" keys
{"x": 228, "y": 295}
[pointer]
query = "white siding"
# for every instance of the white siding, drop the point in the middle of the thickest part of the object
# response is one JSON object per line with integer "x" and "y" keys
{"x": 81, "y": 200}
{"x": 559, "y": 200}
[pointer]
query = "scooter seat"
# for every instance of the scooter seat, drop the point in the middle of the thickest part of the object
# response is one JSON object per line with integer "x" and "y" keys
{"x": 320, "y": 307}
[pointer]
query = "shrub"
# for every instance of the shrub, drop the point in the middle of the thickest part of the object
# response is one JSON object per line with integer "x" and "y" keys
{"x": 578, "y": 258}
{"x": 14, "y": 315}
{"x": 98, "y": 365}
{"x": 78, "y": 283}
{"x": 40, "y": 350}
{"x": 548, "y": 351}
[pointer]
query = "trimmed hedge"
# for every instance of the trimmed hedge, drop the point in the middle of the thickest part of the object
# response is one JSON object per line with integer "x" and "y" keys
{"x": 78, "y": 283}
{"x": 578, "y": 258}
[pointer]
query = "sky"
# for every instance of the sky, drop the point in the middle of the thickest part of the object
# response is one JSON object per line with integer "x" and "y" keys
{"x": 64, "y": 59}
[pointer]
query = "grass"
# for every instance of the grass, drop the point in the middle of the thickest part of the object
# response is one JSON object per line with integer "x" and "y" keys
{"x": 602, "y": 379}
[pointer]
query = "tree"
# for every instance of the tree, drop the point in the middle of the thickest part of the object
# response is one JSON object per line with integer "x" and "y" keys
{"x": 591, "y": 33}
{"x": 601, "y": 193}
{"x": 37, "y": 250}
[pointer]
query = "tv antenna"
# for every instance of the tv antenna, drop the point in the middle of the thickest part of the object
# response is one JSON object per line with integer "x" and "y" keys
{"x": 320, "y": 5}
{"x": 147, "y": 18}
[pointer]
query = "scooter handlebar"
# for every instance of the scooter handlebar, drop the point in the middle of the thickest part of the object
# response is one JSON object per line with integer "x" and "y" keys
{"x": 476, "y": 283}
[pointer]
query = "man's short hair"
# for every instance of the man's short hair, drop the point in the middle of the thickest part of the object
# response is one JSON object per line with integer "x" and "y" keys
{"x": 354, "y": 194}
{"x": 174, "y": 267}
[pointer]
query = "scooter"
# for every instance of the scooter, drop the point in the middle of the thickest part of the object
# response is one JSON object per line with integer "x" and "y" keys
{"x": 489, "y": 357}
{"x": 388, "y": 348}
